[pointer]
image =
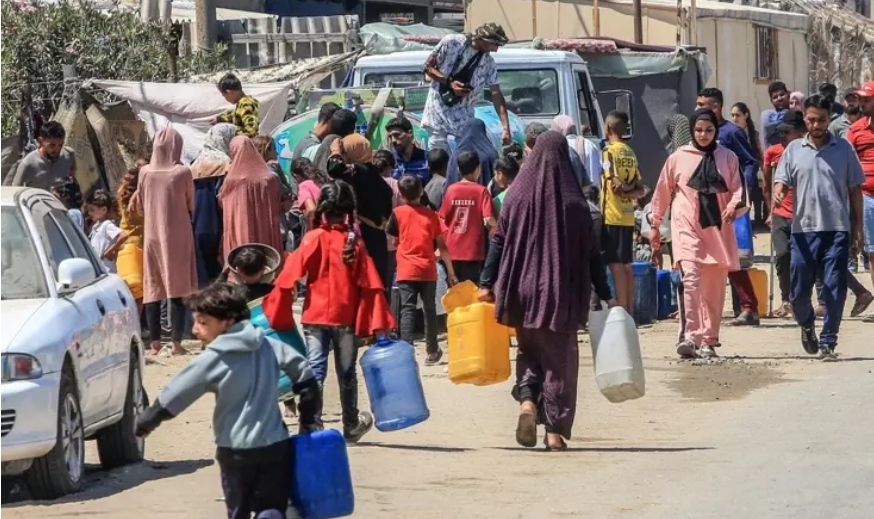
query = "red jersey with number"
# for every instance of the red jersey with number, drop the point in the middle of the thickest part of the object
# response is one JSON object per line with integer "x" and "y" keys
{"x": 861, "y": 136}
{"x": 465, "y": 207}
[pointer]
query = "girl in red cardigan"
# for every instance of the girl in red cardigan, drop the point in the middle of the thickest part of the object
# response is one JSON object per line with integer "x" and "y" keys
{"x": 345, "y": 299}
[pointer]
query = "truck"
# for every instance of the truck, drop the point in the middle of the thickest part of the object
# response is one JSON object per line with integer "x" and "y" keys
{"x": 538, "y": 85}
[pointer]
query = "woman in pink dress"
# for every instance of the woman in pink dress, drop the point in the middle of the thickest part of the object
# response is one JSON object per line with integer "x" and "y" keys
{"x": 251, "y": 199}
{"x": 165, "y": 199}
{"x": 701, "y": 185}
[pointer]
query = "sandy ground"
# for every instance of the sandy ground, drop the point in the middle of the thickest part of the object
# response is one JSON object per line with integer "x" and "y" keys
{"x": 766, "y": 432}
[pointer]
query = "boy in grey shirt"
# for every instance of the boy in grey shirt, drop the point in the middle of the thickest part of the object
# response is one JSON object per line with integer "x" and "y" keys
{"x": 241, "y": 367}
{"x": 826, "y": 177}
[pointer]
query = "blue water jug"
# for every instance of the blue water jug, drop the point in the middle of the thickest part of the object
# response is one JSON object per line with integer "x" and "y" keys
{"x": 321, "y": 483}
{"x": 292, "y": 338}
{"x": 645, "y": 300}
{"x": 667, "y": 297}
{"x": 391, "y": 375}
{"x": 743, "y": 230}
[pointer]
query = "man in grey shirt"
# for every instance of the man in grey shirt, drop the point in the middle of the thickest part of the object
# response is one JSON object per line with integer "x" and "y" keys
{"x": 826, "y": 178}
{"x": 48, "y": 162}
{"x": 852, "y": 113}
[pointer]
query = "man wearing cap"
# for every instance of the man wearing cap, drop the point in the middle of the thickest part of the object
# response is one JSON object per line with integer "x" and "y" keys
{"x": 861, "y": 136}
{"x": 852, "y": 113}
{"x": 410, "y": 159}
{"x": 459, "y": 68}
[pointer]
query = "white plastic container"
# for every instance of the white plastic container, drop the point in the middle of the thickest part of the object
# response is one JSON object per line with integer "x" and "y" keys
{"x": 616, "y": 354}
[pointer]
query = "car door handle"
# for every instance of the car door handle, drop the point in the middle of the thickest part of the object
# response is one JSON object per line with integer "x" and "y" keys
{"x": 122, "y": 298}
{"x": 101, "y": 307}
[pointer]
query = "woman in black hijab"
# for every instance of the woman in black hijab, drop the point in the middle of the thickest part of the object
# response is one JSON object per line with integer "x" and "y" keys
{"x": 701, "y": 185}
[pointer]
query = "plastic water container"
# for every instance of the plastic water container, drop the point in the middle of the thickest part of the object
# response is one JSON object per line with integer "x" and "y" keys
{"x": 759, "y": 279}
{"x": 293, "y": 338}
{"x": 321, "y": 483}
{"x": 645, "y": 294}
{"x": 479, "y": 347}
{"x": 665, "y": 293}
{"x": 618, "y": 364}
{"x": 391, "y": 375}
{"x": 743, "y": 230}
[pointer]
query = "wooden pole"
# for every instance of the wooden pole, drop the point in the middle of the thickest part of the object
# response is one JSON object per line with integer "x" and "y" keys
{"x": 204, "y": 24}
{"x": 533, "y": 19}
{"x": 596, "y": 18}
{"x": 638, "y": 22}
{"x": 148, "y": 10}
{"x": 693, "y": 23}
{"x": 680, "y": 22}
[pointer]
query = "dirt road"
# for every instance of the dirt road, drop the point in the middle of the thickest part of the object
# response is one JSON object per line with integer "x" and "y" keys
{"x": 768, "y": 433}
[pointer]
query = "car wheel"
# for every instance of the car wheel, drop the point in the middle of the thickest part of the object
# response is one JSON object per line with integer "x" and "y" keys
{"x": 118, "y": 444}
{"x": 61, "y": 471}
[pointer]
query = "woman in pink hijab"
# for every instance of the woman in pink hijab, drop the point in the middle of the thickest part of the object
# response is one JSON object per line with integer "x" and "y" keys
{"x": 586, "y": 150}
{"x": 251, "y": 199}
{"x": 165, "y": 198}
{"x": 796, "y": 101}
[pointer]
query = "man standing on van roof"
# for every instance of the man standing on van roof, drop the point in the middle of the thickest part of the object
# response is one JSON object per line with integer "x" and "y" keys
{"x": 460, "y": 66}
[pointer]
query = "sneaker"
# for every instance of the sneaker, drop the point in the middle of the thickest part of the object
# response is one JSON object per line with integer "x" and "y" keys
{"x": 809, "y": 340}
{"x": 707, "y": 351}
{"x": 434, "y": 358}
{"x": 784, "y": 311}
{"x": 365, "y": 424}
{"x": 827, "y": 353}
{"x": 687, "y": 350}
{"x": 819, "y": 311}
{"x": 746, "y": 318}
{"x": 862, "y": 303}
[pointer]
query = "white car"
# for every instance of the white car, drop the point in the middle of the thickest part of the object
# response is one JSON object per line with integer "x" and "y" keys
{"x": 72, "y": 356}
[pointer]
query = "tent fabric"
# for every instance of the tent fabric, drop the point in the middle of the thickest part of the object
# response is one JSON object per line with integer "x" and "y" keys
{"x": 383, "y": 38}
{"x": 188, "y": 107}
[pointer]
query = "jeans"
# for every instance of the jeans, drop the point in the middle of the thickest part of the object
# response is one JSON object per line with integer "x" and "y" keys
{"x": 345, "y": 345}
{"x": 410, "y": 293}
{"x": 438, "y": 139}
{"x": 827, "y": 253}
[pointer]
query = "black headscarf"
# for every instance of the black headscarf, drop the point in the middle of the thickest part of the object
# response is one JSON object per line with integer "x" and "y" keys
{"x": 706, "y": 179}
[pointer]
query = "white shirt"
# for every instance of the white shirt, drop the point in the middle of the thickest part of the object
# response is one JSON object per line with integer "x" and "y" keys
{"x": 104, "y": 234}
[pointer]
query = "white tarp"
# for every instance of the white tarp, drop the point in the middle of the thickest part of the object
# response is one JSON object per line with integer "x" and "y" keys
{"x": 188, "y": 107}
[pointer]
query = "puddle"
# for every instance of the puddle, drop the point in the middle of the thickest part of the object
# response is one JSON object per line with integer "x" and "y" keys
{"x": 714, "y": 382}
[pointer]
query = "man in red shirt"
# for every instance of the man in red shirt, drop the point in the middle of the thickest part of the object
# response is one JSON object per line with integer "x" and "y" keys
{"x": 861, "y": 136}
{"x": 792, "y": 127}
{"x": 417, "y": 227}
{"x": 466, "y": 207}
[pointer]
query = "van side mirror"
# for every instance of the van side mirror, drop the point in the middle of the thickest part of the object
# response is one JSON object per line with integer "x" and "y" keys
{"x": 623, "y": 100}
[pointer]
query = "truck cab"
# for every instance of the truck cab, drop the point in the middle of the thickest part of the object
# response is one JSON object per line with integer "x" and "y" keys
{"x": 537, "y": 85}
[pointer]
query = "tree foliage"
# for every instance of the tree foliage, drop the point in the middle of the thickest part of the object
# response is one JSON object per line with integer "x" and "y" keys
{"x": 40, "y": 38}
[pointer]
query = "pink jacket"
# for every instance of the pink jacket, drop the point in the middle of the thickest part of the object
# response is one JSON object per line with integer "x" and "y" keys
{"x": 691, "y": 242}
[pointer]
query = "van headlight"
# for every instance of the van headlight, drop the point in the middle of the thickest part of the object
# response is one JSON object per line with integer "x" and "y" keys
{"x": 19, "y": 366}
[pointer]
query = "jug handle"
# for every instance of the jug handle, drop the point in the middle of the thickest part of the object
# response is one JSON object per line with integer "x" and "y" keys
{"x": 382, "y": 339}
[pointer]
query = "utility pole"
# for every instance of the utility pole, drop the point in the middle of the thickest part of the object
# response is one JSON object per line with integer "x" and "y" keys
{"x": 638, "y": 22}
{"x": 204, "y": 24}
{"x": 596, "y": 18}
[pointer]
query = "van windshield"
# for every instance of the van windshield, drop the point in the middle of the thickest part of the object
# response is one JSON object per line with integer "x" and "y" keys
{"x": 529, "y": 92}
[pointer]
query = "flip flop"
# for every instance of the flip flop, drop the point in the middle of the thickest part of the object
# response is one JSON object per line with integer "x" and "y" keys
{"x": 554, "y": 449}
{"x": 526, "y": 429}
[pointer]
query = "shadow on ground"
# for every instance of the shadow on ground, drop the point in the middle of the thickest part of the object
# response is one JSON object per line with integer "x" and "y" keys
{"x": 100, "y": 483}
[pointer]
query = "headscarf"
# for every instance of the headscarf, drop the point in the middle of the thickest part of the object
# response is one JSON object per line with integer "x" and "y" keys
{"x": 706, "y": 179}
{"x": 213, "y": 159}
{"x": 798, "y": 97}
{"x": 566, "y": 126}
{"x": 166, "y": 150}
{"x": 543, "y": 281}
{"x": 354, "y": 148}
{"x": 474, "y": 137}
{"x": 246, "y": 162}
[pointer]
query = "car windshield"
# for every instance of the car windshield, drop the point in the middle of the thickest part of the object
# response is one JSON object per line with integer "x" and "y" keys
{"x": 22, "y": 275}
{"x": 527, "y": 91}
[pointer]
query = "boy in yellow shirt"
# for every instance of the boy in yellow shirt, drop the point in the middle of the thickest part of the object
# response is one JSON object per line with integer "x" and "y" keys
{"x": 621, "y": 184}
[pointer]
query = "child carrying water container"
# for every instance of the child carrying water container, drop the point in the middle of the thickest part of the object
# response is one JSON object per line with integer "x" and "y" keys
{"x": 345, "y": 300}
{"x": 240, "y": 366}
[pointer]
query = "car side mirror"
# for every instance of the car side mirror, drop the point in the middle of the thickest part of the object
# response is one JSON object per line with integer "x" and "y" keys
{"x": 75, "y": 273}
{"x": 624, "y": 102}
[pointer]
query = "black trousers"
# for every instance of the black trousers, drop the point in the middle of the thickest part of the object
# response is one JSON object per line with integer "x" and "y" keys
{"x": 468, "y": 270}
{"x": 410, "y": 292}
{"x": 256, "y": 480}
{"x": 177, "y": 319}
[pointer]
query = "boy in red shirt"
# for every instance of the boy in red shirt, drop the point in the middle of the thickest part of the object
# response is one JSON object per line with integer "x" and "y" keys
{"x": 466, "y": 206}
{"x": 792, "y": 127}
{"x": 417, "y": 227}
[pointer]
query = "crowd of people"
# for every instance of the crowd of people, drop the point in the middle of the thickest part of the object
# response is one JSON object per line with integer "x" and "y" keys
{"x": 536, "y": 227}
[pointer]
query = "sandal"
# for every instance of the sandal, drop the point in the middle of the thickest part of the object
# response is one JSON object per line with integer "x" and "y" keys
{"x": 526, "y": 429}
{"x": 562, "y": 447}
{"x": 434, "y": 358}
